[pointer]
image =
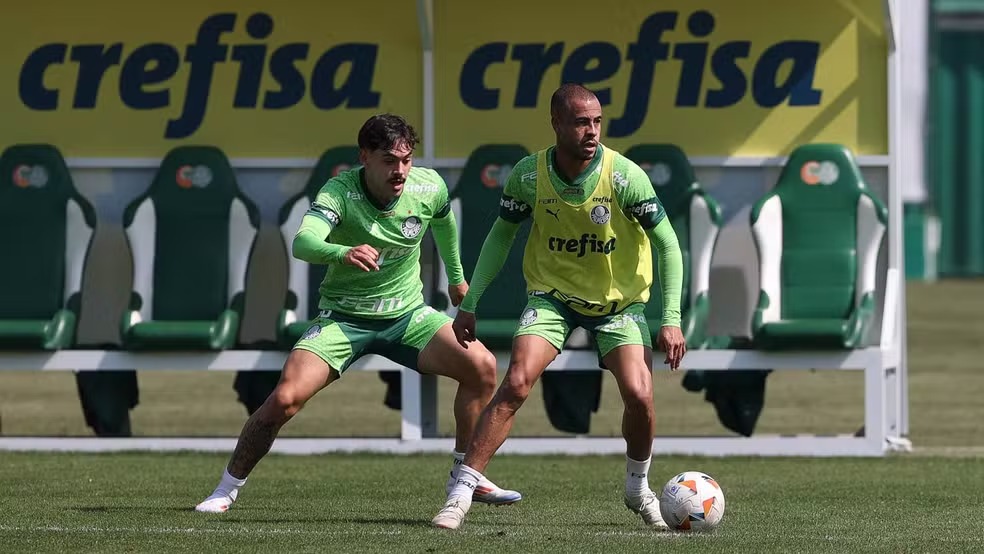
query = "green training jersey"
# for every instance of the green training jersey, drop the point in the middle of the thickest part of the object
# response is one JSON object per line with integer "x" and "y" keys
{"x": 633, "y": 189}
{"x": 395, "y": 231}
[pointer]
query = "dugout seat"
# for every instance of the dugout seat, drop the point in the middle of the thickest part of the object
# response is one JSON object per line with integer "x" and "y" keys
{"x": 191, "y": 234}
{"x": 818, "y": 234}
{"x": 47, "y": 228}
{"x": 477, "y": 194}
{"x": 304, "y": 279}
{"x": 696, "y": 218}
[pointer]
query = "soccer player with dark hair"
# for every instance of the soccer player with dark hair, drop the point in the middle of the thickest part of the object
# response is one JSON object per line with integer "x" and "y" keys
{"x": 366, "y": 225}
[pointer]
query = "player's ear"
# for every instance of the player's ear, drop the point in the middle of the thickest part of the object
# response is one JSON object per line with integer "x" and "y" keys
{"x": 363, "y": 156}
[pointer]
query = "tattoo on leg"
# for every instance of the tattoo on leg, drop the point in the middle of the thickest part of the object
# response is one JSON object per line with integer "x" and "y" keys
{"x": 254, "y": 442}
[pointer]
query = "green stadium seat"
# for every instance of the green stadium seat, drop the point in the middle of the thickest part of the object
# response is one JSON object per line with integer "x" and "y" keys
{"x": 191, "y": 234}
{"x": 818, "y": 234}
{"x": 696, "y": 218}
{"x": 47, "y": 227}
{"x": 304, "y": 279}
{"x": 478, "y": 191}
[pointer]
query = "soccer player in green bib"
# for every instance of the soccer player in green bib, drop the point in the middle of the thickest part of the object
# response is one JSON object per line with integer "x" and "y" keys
{"x": 588, "y": 263}
{"x": 366, "y": 225}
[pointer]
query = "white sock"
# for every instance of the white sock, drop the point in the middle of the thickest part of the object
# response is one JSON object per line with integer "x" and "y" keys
{"x": 229, "y": 484}
{"x": 636, "y": 476}
{"x": 459, "y": 459}
{"x": 467, "y": 480}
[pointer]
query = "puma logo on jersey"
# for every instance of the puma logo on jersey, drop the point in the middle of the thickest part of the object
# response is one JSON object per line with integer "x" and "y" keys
{"x": 584, "y": 245}
{"x": 555, "y": 214}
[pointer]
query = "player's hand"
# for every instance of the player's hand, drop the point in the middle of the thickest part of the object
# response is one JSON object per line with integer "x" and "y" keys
{"x": 671, "y": 341}
{"x": 457, "y": 293}
{"x": 363, "y": 257}
{"x": 464, "y": 327}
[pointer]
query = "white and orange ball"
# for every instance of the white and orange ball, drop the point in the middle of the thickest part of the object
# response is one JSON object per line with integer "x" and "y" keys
{"x": 692, "y": 501}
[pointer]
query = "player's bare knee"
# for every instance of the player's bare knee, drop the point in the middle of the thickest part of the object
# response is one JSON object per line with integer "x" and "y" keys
{"x": 514, "y": 390}
{"x": 485, "y": 372}
{"x": 284, "y": 403}
{"x": 638, "y": 401}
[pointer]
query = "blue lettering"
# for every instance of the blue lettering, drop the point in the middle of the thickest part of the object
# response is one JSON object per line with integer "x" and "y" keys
{"x": 94, "y": 60}
{"x": 357, "y": 87}
{"x": 693, "y": 55}
{"x": 33, "y": 93}
{"x": 135, "y": 74}
{"x": 250, "y": 58}
{"x": 534, "y": 60}
{"x": 579, "y": 68}
{"x": 287, "y": 75}
{"x": 724, "y": 64}
{"x": 341, "y": 76}
{"x": 202, "y": 55}
{"x": 471, "y": 85}
{"x": 644, "y": 53}
{"x": 595, "y": 62}
{"x": 798, "y": 86}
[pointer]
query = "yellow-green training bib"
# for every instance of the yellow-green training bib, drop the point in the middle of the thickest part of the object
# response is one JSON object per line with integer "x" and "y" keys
{"x": 590, "y": 256}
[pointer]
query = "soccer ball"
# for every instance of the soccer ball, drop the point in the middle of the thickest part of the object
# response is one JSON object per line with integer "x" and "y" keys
{"x": 692, "y": 501}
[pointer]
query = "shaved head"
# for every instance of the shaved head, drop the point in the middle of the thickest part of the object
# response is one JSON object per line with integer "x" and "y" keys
{"x": 564, "y": 97}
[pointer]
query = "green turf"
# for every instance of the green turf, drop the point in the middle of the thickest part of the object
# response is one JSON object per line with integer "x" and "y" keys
{"x": 346, "y": 503}
{"x": 920, "y": 502}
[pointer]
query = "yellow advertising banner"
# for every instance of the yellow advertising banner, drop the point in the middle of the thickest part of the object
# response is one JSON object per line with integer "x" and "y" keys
{"x": 257, "y": 78}
{"x": 288, "y": 79}
{"x": 718, "y": 77}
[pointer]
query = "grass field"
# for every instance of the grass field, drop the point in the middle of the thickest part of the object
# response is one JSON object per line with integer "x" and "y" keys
{"x": 348, "y": 503}
{"x": 920, "y": 502}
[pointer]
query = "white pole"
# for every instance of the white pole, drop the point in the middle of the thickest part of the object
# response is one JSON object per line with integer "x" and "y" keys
{"x": 896, "y": 251}
{"x": 429, "y": 124}
{"x": 425, "y": 18}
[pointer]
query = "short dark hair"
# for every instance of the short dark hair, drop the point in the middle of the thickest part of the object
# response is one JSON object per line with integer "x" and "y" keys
{"x": 384, "y": 131}
{"x": 568, "y": 92}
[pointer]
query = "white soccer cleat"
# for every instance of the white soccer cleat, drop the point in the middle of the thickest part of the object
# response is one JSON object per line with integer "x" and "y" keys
{"x": 217, "y": 503}
{"x": 487, "y": 492}
{"x": 452, "y": 515}
{"x": 647, "y": 506}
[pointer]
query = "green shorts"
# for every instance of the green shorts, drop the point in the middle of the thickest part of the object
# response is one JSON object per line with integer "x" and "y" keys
{"x": 341, "y": 339}
{"x": 553, "y": 320}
